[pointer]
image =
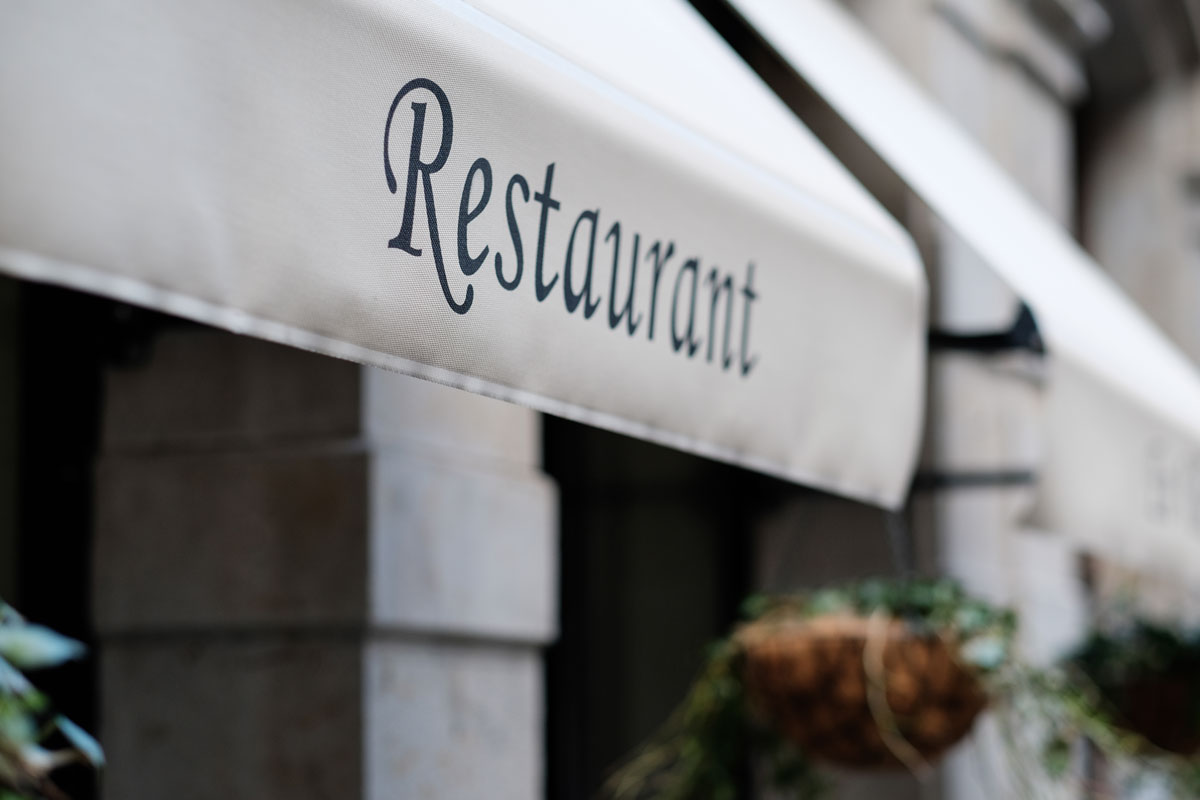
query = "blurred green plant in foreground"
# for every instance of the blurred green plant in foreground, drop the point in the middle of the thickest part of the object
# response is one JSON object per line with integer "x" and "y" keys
{"x": 27, "y": 722}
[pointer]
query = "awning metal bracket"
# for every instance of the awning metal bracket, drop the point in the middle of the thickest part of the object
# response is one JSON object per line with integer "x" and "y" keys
{"x": 936, "y": 480}
{"x": 1022, "y": 335}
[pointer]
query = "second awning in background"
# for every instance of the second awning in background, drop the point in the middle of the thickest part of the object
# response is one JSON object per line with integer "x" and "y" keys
{"x": 1122, "y": 464}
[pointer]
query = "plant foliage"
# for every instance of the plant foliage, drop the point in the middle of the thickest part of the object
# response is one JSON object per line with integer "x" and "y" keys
{"x": 28, "y": 724}
{"x": 1133, "y": 694}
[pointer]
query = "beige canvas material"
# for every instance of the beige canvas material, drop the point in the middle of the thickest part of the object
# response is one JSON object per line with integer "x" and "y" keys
{"x": 420, "y": 187}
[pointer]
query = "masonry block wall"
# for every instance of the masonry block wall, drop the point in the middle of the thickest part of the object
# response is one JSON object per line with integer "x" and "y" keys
{"x": 314, "y": 579}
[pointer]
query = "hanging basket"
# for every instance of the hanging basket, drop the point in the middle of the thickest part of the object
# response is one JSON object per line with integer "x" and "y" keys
{"x": 860, "y": 692}
{"x": 871, "y": 675}
{"x": 1142, "y": 683}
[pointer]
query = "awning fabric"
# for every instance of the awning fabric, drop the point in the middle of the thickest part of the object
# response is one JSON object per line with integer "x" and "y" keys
{"x": 1122, "y": 467}
{"x": 599, "y": 212}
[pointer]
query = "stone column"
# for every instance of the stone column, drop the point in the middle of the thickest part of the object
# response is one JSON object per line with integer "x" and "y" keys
{"x": 1011, "y": 86}
{"x": 314, "y": 579}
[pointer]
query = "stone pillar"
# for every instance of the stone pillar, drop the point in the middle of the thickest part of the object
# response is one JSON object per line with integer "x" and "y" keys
{"x": 1011, "y": 86}
{"x": 314, "y": 579}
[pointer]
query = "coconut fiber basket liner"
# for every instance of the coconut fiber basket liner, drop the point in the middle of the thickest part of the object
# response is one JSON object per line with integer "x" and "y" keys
{"x": 861, "y": 692}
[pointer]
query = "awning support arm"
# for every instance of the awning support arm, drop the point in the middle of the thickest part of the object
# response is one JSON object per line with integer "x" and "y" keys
{"x": 937, "y": 480}
{"x": 1022, "y": 335}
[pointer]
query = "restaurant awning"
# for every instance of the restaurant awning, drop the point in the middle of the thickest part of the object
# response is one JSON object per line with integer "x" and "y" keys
{"x": 599, "y": 212}
{"x": 1122, "y": 422}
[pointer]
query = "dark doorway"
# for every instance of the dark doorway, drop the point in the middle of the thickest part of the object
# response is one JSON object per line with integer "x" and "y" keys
{"x": 655, "y": 549}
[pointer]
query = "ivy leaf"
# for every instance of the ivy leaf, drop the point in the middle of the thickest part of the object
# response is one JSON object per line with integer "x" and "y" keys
{"x": 81, "y": 740}
{"x": 1056, "y": 757}
{"x": 36, "y": 646}
{"x": 9, "y": 615}
{"x": 985, "y": 652}
{"x": 972, "y": 618}
{"x": 16, "y": 727}
{"x": 12, "y": 682}
{"x": 755, "y": 606}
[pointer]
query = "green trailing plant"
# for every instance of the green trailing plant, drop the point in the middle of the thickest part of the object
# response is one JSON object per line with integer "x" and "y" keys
{"x": 34, "y": 740}
{"x": 1133, "y": 695}
{"x": 942, "y": 607}
{"x": 703, "y": 750}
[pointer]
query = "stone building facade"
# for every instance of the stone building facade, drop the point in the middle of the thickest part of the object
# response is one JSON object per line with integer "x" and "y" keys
{"x": 309, "y": 578}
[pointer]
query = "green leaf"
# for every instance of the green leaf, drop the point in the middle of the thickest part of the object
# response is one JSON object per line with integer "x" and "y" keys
{"x": 12, "y": 682}
{"x": 40, "y": 761}
{"x": 985, "y": 652}
{"x": 9, "y": 615}
{"x": 36, "y": 646}
{"x": 81, "y": 740}
{"x": 16, "y": 726}
{"x": 755, "y": 606}
{"x": 1056, "y": 757}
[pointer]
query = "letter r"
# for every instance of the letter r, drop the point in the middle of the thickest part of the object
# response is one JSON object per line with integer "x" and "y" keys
{"x": 403, "y": 240}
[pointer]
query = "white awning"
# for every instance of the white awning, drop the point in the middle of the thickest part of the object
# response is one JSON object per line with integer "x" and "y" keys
{"x": 1122, "y": 468}
{"x": 598, "y": 211}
